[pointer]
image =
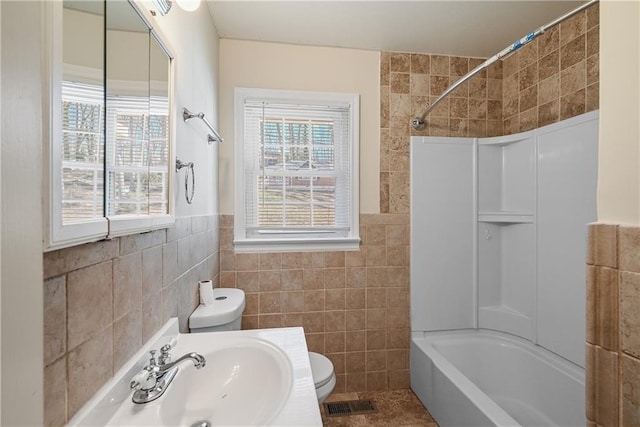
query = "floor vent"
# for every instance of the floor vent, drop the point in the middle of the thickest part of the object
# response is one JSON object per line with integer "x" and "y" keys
{"x": 350, "y": 407}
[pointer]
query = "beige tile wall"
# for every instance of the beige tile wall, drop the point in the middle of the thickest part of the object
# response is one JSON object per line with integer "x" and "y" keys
{"x": 409, "y": 82}
{"x": 613, "y": 325}
{"x": 555, "y": 77}
{"x": 354, "y": 306}
{"x": 103, "y": 300}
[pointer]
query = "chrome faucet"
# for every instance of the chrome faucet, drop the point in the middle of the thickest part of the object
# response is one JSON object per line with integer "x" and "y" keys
{"x": 153, "y": 380}
{"x": 198, "y": 361}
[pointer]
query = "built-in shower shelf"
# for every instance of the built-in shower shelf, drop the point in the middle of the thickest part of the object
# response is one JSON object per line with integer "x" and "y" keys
{"x": 505, "y": 216}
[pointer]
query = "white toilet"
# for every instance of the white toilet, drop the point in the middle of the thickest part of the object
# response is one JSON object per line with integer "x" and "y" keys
{"x": 323, "y": 374}
{"x": 225, "y": 314}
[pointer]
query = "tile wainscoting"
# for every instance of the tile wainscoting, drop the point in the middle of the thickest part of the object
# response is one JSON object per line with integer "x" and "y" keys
{"x": 354, "y": 305}
{"x": 103, "y": 300}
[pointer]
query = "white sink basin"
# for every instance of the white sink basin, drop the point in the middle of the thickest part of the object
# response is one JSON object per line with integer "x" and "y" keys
{"x": 253, "y": 377}
{"x": 244, "y": 383}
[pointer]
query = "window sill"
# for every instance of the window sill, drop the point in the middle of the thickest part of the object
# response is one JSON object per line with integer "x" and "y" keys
{"x": 297, "y": 245}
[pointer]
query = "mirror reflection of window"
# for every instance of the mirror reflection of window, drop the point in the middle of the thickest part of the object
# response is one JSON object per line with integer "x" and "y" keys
{"x": 82, "y": 124}
{"x": 137, "y": 116}
{"x": 128, "y": 41}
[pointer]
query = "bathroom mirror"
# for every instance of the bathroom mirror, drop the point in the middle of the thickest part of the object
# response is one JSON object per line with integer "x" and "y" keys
{"x": 111, "y": 86}
{"x": 82, "y": 118}
{"x": 137, "y": 134}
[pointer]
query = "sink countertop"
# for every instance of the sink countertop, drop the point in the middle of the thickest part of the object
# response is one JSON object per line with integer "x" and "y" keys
{"x": 114, "y": 398}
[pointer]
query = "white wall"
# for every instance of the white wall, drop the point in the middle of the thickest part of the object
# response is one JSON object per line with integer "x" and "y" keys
{"x": 128, "y": 59}
{"x": 281, "y": 66}
{"x": 21, "y": 213}
{"x": 194, "y": 40}
{"x": 128, "y": 56}
{"x": 195, "y": 43}
{"x": 74, "y": 49}
{"x": 619, "y": 147}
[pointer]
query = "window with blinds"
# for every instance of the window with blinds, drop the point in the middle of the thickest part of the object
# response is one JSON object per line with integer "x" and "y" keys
{"x": 298, "y": 166}
{"x": 137, "y": 155}
{"x": 82, "y": 151}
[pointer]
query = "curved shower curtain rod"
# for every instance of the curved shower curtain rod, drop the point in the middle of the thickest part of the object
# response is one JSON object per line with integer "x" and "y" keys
{"x": 419, "y": 122}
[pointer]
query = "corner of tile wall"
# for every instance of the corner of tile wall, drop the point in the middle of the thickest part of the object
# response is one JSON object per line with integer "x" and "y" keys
{"x": 104, "y": 300}
{"x": 409, "y": 83}
{"x": 613, "y": 322}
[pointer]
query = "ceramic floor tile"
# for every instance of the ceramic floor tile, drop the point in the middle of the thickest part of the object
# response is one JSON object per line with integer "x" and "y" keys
{"x": 395, "y": 407}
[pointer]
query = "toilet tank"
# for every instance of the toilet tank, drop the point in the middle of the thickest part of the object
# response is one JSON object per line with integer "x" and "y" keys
{"x": 236, "y": 325}
{"x": 225, "y": 314}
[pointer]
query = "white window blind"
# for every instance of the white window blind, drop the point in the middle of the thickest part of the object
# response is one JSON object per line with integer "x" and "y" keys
{"x": 137, "y": 155}
{"x": 298, "y": 170}
{"x": 82, "y": 152}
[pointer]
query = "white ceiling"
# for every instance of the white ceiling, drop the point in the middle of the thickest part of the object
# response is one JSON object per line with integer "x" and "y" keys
{"x": 464, "y": 28}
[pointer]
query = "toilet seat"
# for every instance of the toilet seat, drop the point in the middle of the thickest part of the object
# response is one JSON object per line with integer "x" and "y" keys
{"x": 321, "y": 369}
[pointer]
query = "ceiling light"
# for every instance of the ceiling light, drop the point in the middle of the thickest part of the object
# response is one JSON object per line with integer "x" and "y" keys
{"x": 188, "y": 5}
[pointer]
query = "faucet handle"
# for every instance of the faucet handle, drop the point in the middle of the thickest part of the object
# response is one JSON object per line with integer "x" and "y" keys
{"x": 152, "y": 360}
{"x": 165, "y": 356}
{"x": 168, "y": 346}
{"x": 139, "y": 381}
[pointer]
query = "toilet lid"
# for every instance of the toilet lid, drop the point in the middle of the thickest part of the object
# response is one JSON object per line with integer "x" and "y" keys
{"x": 321, "y": 369}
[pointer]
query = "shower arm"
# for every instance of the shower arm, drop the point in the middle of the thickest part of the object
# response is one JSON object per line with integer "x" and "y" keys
{"x": 418, "y": 123}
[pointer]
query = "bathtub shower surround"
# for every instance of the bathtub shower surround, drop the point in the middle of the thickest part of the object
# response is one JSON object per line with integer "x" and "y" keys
{"x": 499, "y": 229}
{"x": 613, "y": 348}
{"x": 104, "y": 300}
{"x": 553, "y": 78}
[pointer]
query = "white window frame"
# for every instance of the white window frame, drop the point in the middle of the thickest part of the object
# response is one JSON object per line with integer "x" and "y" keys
{"x": 293, "y": 242}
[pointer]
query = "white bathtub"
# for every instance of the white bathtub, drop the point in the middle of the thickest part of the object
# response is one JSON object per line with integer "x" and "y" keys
{"x": 486, "y": 378}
